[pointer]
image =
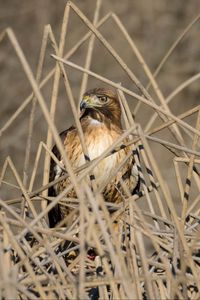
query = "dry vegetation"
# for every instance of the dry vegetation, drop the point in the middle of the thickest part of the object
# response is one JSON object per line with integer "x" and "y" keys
{"x": 154, "y": 251}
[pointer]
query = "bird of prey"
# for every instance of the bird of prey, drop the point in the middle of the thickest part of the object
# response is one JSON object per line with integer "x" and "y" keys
{"x": 100, "y": 118}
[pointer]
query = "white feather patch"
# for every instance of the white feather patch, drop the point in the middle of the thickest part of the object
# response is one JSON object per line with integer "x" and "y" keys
{"x": 95, "y": 122}
{"x": 57, "y": 171}
{"x": 134, "y": 171}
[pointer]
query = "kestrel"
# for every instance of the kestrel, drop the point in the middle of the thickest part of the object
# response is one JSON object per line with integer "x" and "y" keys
{"x": 100, "y": 118}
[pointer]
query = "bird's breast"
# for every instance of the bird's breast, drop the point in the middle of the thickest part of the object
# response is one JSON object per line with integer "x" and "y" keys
{"x": 97, "y": 141}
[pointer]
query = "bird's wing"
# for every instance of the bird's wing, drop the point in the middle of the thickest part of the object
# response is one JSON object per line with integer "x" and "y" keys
{"x": 54, "y": 214}
{"x": 133, "y": 171}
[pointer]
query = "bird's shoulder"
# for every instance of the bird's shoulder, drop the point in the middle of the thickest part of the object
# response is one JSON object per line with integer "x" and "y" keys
{"x": 64, "y": 135}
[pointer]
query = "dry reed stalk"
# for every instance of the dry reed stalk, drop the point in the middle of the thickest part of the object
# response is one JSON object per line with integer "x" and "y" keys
{"x": 169, "y": 98}
{"x": 189, "y": 173}
{"x": 128, "y": 92}
{"x": 148, "y": 73}
{"x": 170, "y": 51}
{"x": 17, "y": 248}
{"x": 54, "y": 97}
{"x": 90, "y": 50}
{"x": 49, "y": 75}
{"x": 134, "y": 272}
{"x": 34, "y": 101}
{"x": 120, "y": 61}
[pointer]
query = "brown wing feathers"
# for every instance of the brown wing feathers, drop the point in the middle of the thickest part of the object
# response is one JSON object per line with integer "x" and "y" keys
{"x": 54, "y": 214}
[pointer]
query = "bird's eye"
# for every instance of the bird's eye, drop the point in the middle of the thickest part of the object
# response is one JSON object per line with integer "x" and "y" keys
{"x": 103, "y": 99}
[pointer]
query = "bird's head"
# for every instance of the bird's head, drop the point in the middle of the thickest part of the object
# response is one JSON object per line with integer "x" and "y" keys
{"x": 101, "y": 104}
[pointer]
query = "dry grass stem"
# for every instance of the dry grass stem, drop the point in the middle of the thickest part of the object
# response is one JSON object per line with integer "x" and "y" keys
{"x": 147, "y": 246}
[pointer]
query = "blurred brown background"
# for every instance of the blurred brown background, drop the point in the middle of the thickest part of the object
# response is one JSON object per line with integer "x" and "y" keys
{"x": 153, "y": 25}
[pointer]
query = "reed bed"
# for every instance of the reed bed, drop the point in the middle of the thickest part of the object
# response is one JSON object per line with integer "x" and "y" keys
{"x": 154, "y": 250}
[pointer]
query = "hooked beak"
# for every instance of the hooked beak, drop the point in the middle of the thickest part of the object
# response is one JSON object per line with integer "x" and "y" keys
{"x": 85, "y": 103}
